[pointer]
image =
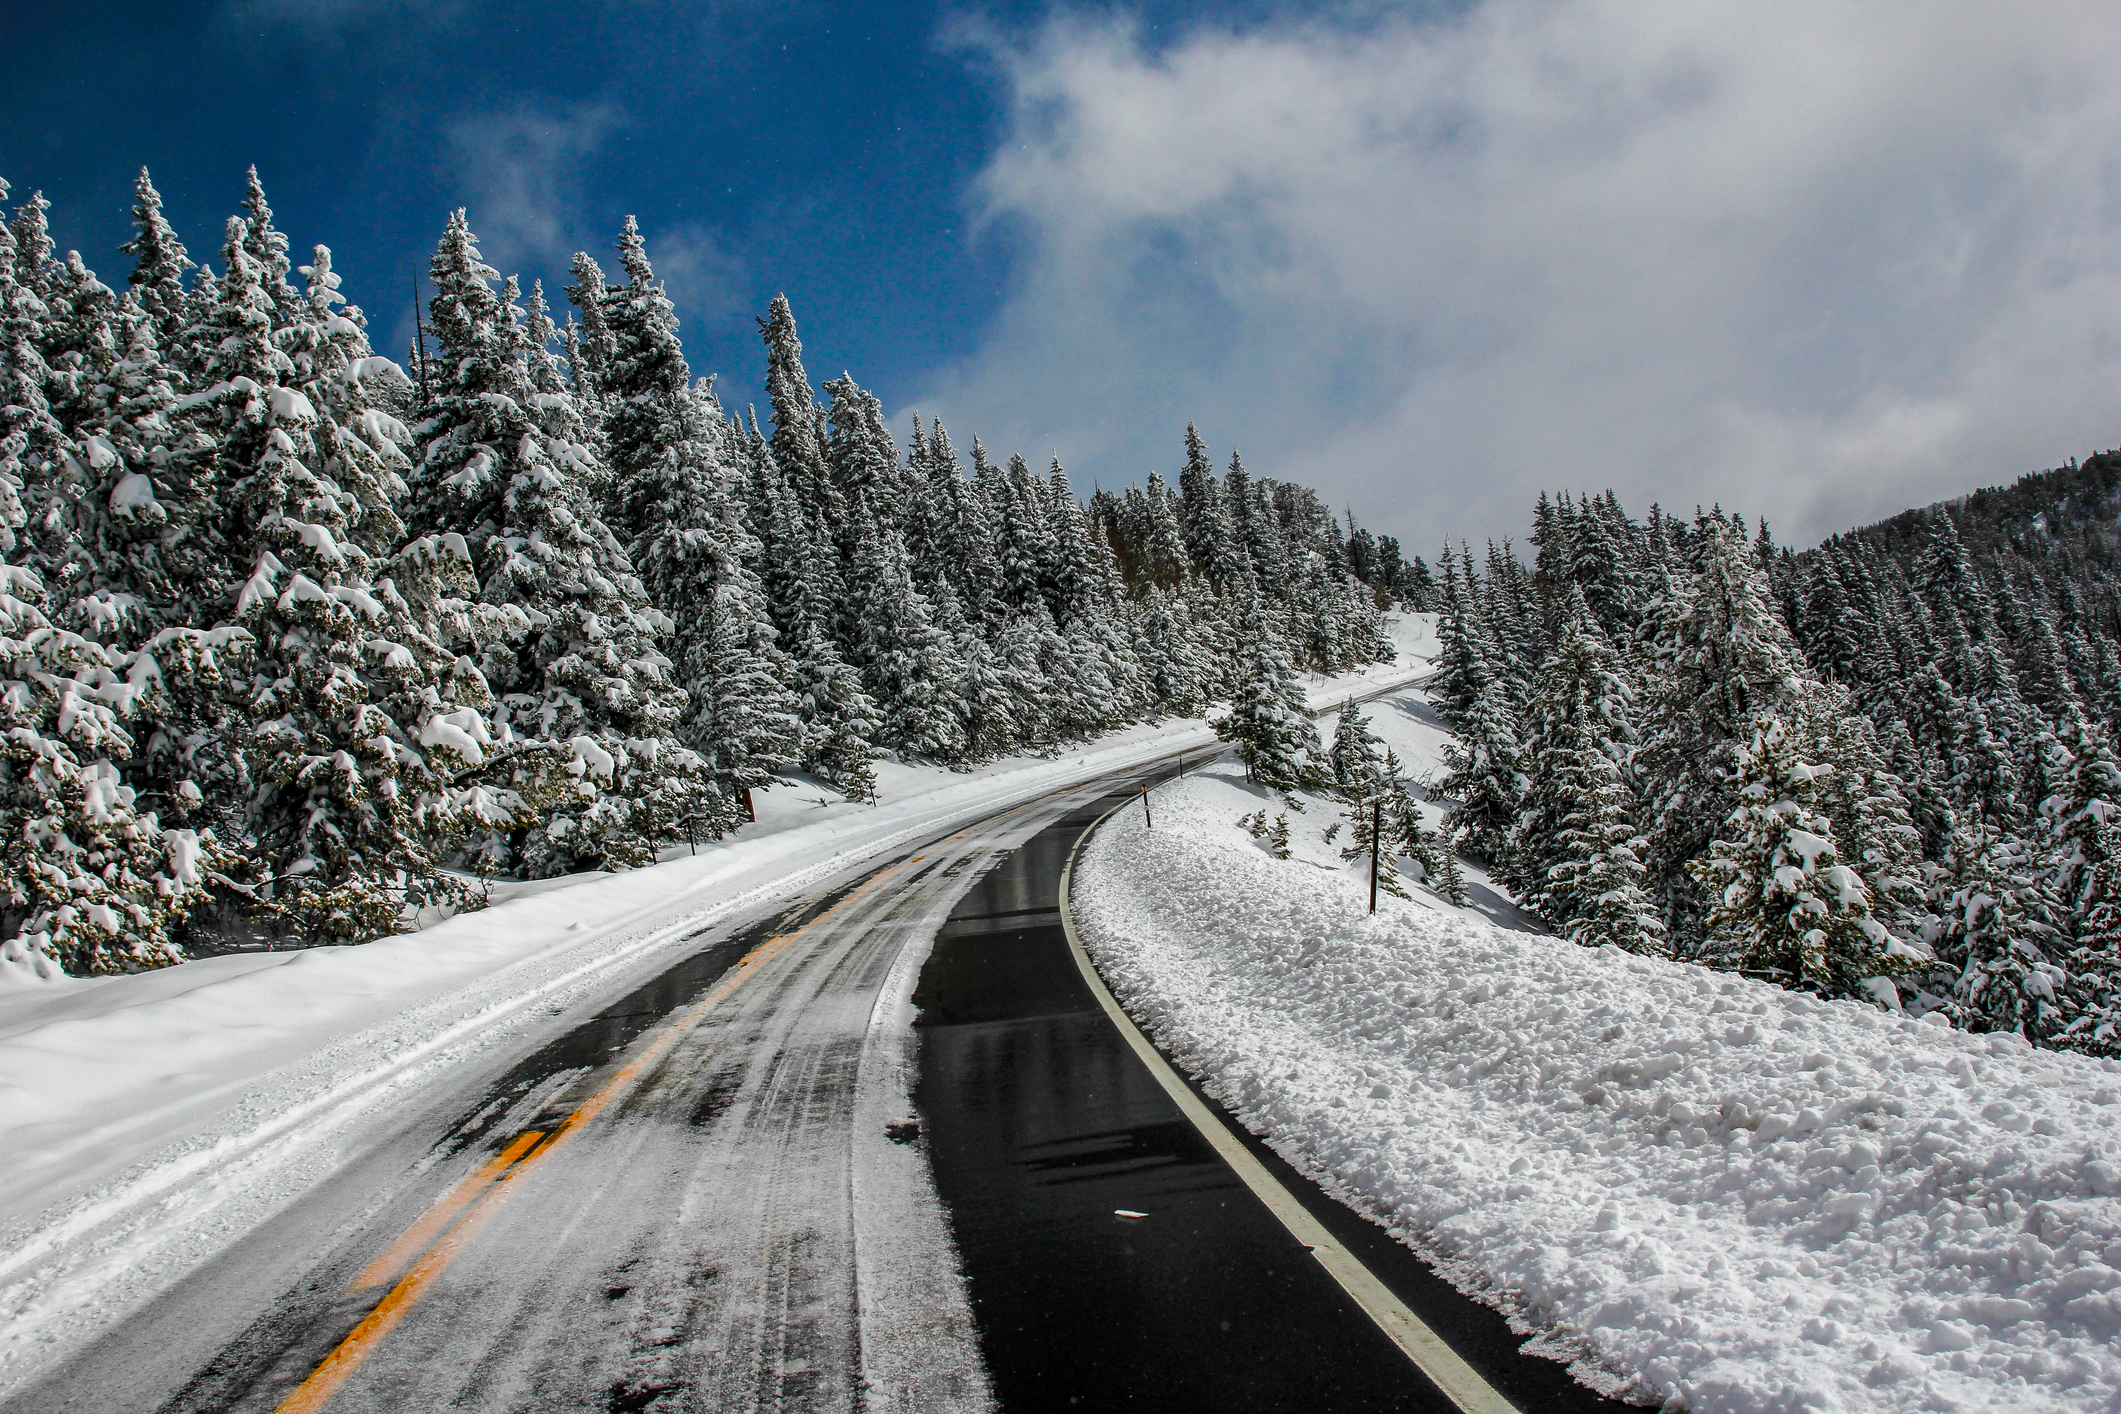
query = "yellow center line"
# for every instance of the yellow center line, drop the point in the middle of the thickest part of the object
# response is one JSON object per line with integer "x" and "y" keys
{"x": 485, "y": 1198}
{"x": 416, "y": 1238}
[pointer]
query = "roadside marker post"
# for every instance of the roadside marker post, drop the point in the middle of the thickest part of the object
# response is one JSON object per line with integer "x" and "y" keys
{"x": 1147, "y": 822}
{"x": 1377, "y": 830}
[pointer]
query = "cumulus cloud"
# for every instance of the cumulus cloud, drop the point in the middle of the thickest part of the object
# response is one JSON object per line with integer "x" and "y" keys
{"x": 1817, "y": 262}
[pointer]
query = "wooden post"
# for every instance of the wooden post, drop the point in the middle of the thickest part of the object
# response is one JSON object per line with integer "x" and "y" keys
{"x": 1148, "y": 822}
{"x": 1377, "y": 831}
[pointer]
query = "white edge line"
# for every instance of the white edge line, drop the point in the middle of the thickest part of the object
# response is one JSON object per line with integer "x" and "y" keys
{"x": 1457, "y": 1380}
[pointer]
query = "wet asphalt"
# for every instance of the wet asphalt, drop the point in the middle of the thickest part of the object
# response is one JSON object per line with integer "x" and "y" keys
{"x": 1042, "y": 1125}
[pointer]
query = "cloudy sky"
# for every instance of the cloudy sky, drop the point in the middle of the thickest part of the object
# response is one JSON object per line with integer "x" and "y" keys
{"x": 1815, "y": 262}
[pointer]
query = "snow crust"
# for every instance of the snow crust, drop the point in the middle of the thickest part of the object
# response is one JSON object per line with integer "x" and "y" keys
{"x": 1703, "y": 1191}
{"x": 147, "y": 1121}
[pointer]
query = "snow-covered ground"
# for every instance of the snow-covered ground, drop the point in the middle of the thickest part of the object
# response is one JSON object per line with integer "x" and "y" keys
{"x": 199, "y": 1096}
{"x": 1698, "y": 1188}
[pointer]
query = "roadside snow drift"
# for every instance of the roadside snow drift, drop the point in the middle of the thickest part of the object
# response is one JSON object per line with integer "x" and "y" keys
{"x": 1700, "y": 1189}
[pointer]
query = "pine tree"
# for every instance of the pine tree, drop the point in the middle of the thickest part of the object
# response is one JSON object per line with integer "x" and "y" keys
{"x": 1593, "y": 889}
{"x": 797, "y": 448}
{"x": 1993, "y": 938}
{"x": 1484, "y": 777}
{"x": 1727, "y": 658}
{"x": 94, "y": 883}
{"x": 353, "y": 723}
{"x": 584, "y": 686}
{"x": 1581, "y": 703}
{"x": 1783, "y": 905}
{"x": 159, "y": 261}
{"x": 908, "y": 666}
{"x": 1268, "y": 721}
{"x": 675, "y": 501}
{"x": 1205, "y": 521}
{"x": 1874, "y": 820}
{"x": 1355, "y": 758}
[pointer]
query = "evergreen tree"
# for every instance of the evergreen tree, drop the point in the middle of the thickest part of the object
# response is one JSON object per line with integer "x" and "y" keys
{"x": 160, "y": 261}
{"x": 1783, "y": 904}
{"x": 909, "y": 667}
{"x": 1993, "y": 937}
{"x": 353, "y": 724}
{"x": 1484, "y": 777}
{"x": 675, "y": 500}
{"x": 1581, "y": 702}
{"x": 1269, "y": 721}
{"x": 583, "y": 684}
{"x": 797, "y": 448}
{"x": 1356, "y": 757}
{"x": 1593, "y": 889}
{"x": 1727, "y": 658}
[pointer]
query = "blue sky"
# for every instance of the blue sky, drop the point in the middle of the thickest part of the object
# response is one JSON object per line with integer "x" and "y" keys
{"x": 1819, "y": 262}
{"x": 817, "y": 149}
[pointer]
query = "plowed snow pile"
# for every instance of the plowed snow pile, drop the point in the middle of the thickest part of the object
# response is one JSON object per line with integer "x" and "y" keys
{"x": 1703, "y": 1189}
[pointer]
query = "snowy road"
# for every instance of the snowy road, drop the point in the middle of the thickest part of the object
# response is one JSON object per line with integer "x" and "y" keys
{"x": 703, "y": 1196}
{"x": 714, "y": 1214}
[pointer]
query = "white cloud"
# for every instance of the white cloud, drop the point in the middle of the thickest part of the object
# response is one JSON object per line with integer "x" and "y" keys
{"x": 520, "y": 172}
{"x": 702, "y": 276}
{"x": 1818, "y": 262}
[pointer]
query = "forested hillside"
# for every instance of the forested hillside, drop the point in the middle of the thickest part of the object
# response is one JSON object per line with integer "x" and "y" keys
{"x": 296, "y": 636}
{"x": 1881, "y": 768}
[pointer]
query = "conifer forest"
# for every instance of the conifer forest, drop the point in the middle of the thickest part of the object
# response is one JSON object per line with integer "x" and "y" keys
{"x": 302, "y": 639}
{"x": 1882, "y": 769}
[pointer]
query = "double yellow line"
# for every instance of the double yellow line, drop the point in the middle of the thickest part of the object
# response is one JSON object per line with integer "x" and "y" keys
{"x": 449, "y": 1225}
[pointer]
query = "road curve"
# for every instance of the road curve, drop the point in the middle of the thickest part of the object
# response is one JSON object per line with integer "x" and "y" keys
{"x": 715, "y": 1193}
{"x": 696, "y": 1198}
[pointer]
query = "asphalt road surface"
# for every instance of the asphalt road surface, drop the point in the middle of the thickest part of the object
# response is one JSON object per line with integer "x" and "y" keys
{"x": 706, "y": 1196}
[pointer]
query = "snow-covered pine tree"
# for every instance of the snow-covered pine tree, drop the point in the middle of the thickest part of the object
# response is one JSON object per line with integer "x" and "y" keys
{"x": 160, "y": 261}
{"x": 353, "y": 724}
{"x": 965, "y": 534}
{"x": 909, "y": 667}
{"x": 585, "y": 688}
{"x": 675, "y": 501}
{"x": 1356, "y": 757}
{"x": 93, "y": 883}
{"x": 1593, "y": 888}
{"x": 1783, "y": 905}
{"x": 1874, "y": 822}
{"x": 1728, "y": 658}
{"x": 2084, "y": 827}
{"x": 1581, "y": 696}
{"x": 1268, "y": 720}
{"x": 1205, "y": 522}
{"x": 1484, "y": 778}
{"x": 1995, "y": 938}
{"x": 798, "y": 449}
{"x": 800, "y": 572}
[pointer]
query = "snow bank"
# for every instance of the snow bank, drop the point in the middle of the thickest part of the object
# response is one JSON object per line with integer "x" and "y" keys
{"x": 118, "y": 1095}
{"x": 1698, "y": 1188}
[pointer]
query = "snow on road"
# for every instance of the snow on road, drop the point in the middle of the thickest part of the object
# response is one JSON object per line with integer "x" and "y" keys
{"x": 147, "y": 1121}
{"x": 1699, "y": 1188}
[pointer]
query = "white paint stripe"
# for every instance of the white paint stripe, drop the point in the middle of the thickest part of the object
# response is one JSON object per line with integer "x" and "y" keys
{"x": 1458, "y": 1381}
